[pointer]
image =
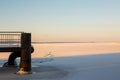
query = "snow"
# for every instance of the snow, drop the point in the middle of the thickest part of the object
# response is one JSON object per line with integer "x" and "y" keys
{"x": 71, "y": 61}
{"x": 9, "y": 45}
{"x": 90, "y": 67}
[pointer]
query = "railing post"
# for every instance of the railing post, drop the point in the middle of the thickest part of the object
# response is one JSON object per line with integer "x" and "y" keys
{"x": 25, "y": 63}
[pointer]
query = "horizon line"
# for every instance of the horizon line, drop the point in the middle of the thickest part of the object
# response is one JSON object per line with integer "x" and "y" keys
{"x": 36, "y": 42}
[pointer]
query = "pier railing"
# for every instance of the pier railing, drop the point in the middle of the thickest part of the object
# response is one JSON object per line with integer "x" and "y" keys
{"x": 10, "y": 39}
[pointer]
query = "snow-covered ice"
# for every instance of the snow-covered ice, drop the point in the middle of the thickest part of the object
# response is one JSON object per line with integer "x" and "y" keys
{"x": 70, "y": 61}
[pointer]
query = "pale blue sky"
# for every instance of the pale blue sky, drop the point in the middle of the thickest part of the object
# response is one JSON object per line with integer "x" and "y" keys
{"x": 63, "y": 20}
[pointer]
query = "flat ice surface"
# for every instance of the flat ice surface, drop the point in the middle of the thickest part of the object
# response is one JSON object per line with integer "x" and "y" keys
{"x": 75, "y": 49}
{"x": 82, "y": 61}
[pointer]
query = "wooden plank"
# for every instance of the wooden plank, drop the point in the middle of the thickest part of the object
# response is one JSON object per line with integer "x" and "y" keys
{"x": 10, "y": 49}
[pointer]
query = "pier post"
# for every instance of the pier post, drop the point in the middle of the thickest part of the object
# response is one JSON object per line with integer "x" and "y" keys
{"x": 25, "y": 63}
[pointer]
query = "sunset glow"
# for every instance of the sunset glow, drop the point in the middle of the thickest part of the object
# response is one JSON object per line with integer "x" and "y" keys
{"x": 63, "y": 20}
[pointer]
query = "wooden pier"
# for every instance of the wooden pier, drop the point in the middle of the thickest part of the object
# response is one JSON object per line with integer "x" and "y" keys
{"x": 18, "y": 42}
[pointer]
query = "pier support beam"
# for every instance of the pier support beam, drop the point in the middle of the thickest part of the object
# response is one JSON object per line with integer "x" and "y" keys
{"x": 25, "y": 63}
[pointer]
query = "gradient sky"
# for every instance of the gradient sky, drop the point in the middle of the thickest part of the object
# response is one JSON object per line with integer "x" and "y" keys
{"x": 63, "y": 20}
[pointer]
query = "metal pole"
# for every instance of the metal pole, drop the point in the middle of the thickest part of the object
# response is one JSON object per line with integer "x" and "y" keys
{"x": 25, "y": 63}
